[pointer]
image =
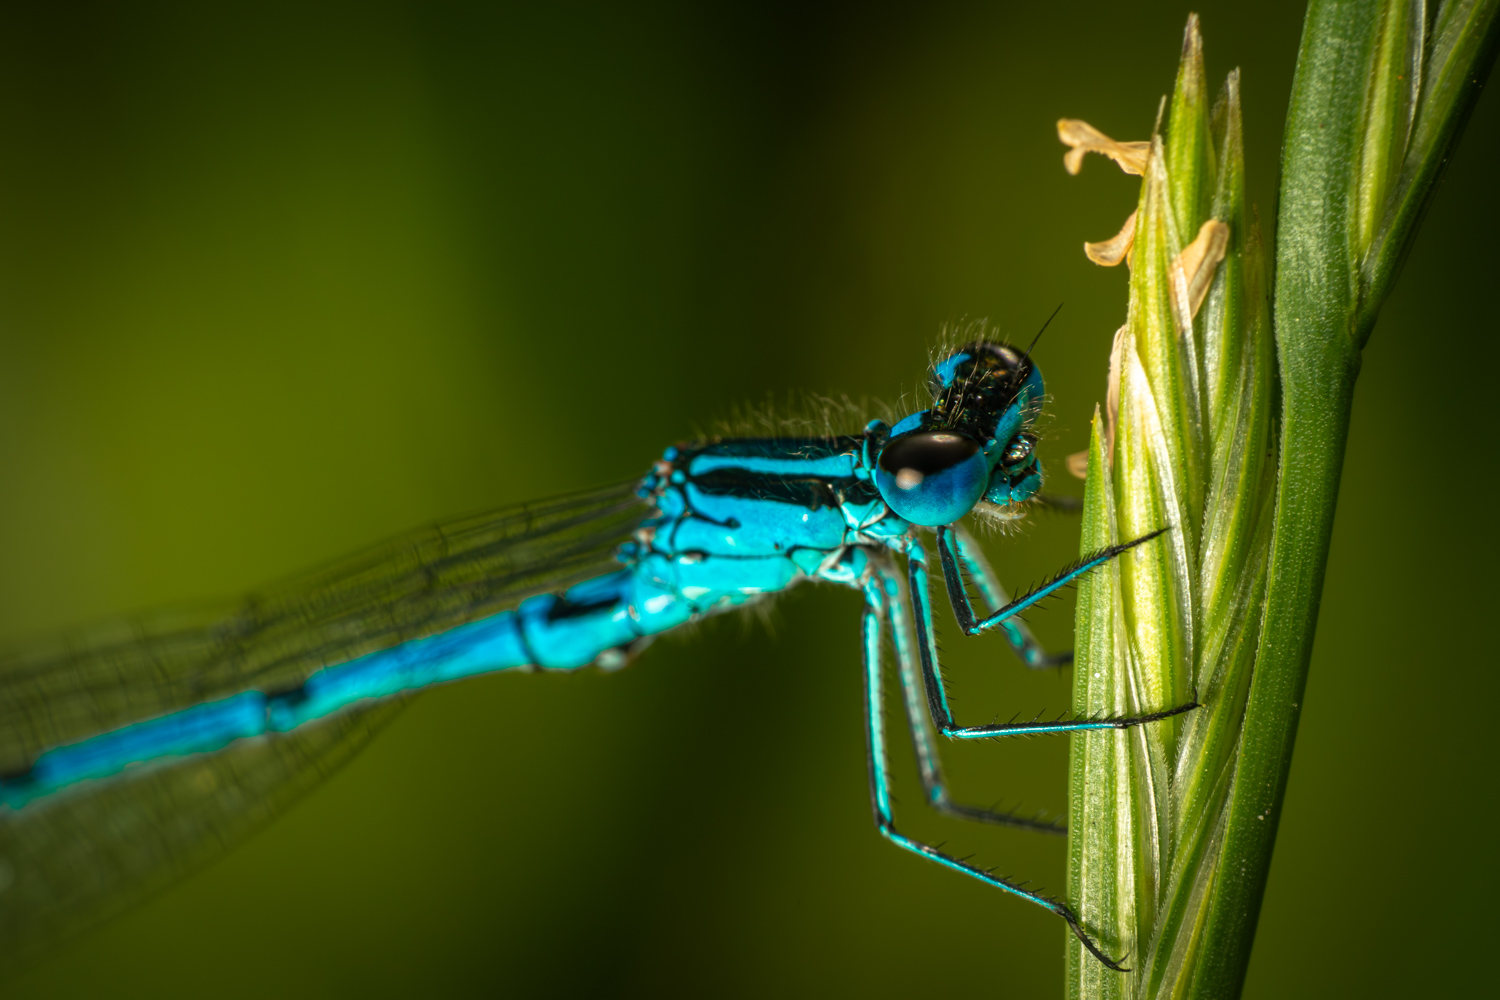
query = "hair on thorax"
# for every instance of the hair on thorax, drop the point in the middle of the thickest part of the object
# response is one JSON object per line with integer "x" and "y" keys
{"x": 799, "y": 414}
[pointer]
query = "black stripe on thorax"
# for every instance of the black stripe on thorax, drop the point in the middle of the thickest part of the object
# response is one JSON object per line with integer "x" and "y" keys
{"x": 811, "y": 492}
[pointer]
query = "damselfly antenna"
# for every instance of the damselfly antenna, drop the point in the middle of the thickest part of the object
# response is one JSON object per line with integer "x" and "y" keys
{"x": 1026, "y": 355}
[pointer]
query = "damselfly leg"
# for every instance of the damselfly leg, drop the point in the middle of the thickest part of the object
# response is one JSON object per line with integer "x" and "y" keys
{"x": 924, "y": 742}
{"x": 879, "y": 603}
{"x": 937, "y": 698}
{"x": 887, "y": 605}
{"x": 972, "y": 558}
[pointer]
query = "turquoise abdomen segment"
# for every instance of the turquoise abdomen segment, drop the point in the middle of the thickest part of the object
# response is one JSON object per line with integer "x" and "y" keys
{"x": 489, "y": 644}
{"x": 567, "y": 632}
{"x": 493, "y": 643}
{"x": 668, "y": 591}
{"x": 200, "y": 729}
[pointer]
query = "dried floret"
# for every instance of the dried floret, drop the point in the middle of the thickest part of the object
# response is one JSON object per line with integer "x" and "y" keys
{"x": 1084, "y": 138}
{"x": 1117, "y": 248}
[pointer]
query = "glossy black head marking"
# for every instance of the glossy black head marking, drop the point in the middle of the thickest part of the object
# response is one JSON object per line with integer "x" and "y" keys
{"x": 977, "y": 385}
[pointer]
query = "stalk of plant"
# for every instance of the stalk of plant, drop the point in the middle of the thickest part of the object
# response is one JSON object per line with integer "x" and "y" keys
{"x": 1172, "y": 824}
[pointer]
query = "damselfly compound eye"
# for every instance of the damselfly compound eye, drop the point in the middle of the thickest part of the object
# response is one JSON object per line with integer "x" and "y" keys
{"x": 932, "y": 477}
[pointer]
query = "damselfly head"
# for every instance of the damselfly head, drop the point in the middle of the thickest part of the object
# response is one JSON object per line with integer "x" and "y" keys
{"x": 974, "y": 444}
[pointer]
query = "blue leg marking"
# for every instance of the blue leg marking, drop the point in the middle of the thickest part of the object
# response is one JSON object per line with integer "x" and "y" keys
{"x": 970, "y": 556}
{"x": 880, "y": 781}
{"x": 929, "y": 763}
{"x": 937, "y": 697}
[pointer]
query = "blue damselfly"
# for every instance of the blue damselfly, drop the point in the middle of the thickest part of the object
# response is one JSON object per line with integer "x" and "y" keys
{"x": 124, "y": 748}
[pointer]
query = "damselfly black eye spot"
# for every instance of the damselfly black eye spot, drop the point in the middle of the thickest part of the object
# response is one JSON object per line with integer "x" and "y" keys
{"x": 913, "y": 457}
{"x": 932, "y": 477}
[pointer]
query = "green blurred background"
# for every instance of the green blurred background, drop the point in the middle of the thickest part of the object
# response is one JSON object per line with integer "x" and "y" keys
{"x": 278, "y": 280}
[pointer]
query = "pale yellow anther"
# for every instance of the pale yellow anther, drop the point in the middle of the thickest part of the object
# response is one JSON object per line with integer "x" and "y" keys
{"x": 1193, "y": 270}
{"x": 1078, "y": 464}
{"x": 1117, "y": 248}
{"x": 1084, "y": 138}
